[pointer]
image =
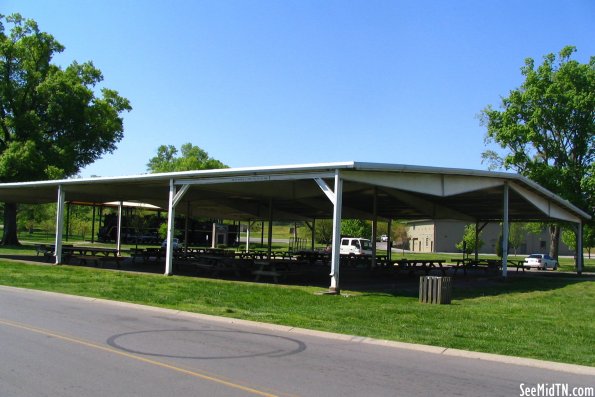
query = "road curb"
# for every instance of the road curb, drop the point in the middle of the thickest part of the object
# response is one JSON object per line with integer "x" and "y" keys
{"x": 445, "y": 351}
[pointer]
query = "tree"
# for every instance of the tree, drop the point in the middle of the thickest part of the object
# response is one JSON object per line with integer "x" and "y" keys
{"x": 399, "y": 234}
{"x": 569, "y": 238}
{"x": 324, "y": 231}
{"x": 31, "y": 216}
{"x": 192, "y": 158}
{"x": 467, "y": 244}
{"x": 517, "y": 235}
{"x": 349, "y": 227}
{"x": 51, "y": 121}
{"x": 356, "y": 228}
{"x": 547, "y": 126}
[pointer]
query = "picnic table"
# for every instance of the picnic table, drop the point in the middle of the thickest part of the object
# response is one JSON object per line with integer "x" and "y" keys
{"x": 518, "y": 264}
{"x": 213, "y": 264}
{"x": 427, "y": 265}
{"x": 356, "y": 261}
{"x": 48, "y": 251}
{"x": 313, "y": 256}
{"x": 488, "y": 265}
{"x": 146, "y": 254}
{"x": 274, "y": 269}
{"x": 93, "y": 254}
{"x": 382, "y": 261}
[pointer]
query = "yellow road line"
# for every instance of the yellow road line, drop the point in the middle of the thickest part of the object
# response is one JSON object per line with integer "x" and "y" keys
{"x": 134, "y": 357}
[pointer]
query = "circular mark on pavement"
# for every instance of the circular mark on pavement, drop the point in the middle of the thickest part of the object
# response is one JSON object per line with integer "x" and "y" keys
{"x": 254, "y": 344}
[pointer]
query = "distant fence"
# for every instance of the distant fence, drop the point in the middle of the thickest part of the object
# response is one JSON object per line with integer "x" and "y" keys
{"x": 298, "y": 244}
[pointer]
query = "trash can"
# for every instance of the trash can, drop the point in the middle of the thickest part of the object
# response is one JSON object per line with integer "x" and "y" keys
{"x": 435, "y": 290}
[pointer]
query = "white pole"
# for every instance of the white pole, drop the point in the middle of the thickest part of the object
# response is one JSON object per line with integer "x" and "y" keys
{"x": 336, "y": 256}
{"x": 505, "y": 232}
{"x": 214, "y": 236}
{"x": 59, "y": 224}
{"x": 170, "y": 230}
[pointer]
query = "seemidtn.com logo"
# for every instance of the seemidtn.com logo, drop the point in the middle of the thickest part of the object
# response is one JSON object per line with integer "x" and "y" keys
{"x": 556, "y": 390}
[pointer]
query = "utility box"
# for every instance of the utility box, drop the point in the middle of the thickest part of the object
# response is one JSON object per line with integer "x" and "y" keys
{"x": 434, "y": 289}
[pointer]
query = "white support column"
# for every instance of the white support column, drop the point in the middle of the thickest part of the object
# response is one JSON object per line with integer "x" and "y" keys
{"x": 59, "y": 225}
{"x": 214, "y": 235}
{"x": 336, "y": 250}
{"x": 170, "y": 229}
{"x": 579, "y": 249}
{"x": 119, "y": 235}
{"x": 174, "y": 200}
{"x": 505, "y": 232}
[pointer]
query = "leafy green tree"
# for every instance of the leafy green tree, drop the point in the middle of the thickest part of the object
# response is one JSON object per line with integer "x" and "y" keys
{"x": 517, "y": 235}
{"x": 30, "y": 216}
{"x": 356, "y": 228}
{"x": 399, "y": 234}
{"x": 547, "y": 128}
{"x": 349, "y": 227}
{"x": 324, "y": 231}
{"x": 467, "y": 244}
{"x": 589, "y": 238}
{"x": 191, "y": 158}
{"x": 569, "y": 238}
{"x": 52, "y": 122}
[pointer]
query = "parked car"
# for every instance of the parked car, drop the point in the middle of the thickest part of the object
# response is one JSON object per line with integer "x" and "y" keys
{"x": 175, "y": 243}
{"x": 540, "y": 261}
{"x": 355, "y": 246}
{"x": 384, "y": 238}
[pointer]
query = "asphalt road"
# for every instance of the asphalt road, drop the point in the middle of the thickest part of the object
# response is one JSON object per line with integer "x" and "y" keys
{"x": 56, "y": 345}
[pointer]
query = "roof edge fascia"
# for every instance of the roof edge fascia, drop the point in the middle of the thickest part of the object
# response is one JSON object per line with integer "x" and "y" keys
{"x": 190, "y": 174}
{"x": 363, "y": 166}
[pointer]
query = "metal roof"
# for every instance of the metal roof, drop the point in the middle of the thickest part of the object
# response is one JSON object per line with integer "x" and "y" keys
{"x": 401, "y": 191}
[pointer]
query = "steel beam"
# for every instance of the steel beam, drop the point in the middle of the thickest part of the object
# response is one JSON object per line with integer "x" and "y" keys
{"x": 170, "y": 229}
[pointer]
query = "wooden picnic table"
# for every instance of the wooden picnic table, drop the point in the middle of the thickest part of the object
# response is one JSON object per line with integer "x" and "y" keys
{"x": 488, "y": 265}
{"x": 94, "y": 254}
{"x": 313, "y": 256}
{"x": 49, "y": 250}
{"x": 427, "y": 265}
{"x": 274, "y": 269}
{"x": 213, "y": 264}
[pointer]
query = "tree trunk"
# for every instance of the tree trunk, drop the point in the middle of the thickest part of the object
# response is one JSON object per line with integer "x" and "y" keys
{"x": 555, "y": 240}
{"x": 9, "y": 236}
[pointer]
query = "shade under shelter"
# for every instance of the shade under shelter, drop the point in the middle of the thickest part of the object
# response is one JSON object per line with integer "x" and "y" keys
{"x": 359, "y": 190}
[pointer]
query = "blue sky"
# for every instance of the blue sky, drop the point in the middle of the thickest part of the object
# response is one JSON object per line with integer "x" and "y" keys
{"x": 262, "y": 82}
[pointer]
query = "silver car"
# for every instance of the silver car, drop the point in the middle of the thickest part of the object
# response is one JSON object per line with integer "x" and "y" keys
{"x": 540, "y": 261}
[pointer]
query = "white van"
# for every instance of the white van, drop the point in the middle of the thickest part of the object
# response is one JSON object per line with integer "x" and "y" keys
{"x": 355, "y": 246}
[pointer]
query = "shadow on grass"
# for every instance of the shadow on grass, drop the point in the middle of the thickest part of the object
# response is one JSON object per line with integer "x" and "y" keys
{"x": 362, "y": 281}
{"x": 515, "y": 283}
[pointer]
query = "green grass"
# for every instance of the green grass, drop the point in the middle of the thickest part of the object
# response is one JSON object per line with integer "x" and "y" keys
{"x": 541, "y": 317}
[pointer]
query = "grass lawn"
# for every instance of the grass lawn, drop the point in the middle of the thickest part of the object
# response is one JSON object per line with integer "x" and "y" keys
{"x": 545, "y": 317}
